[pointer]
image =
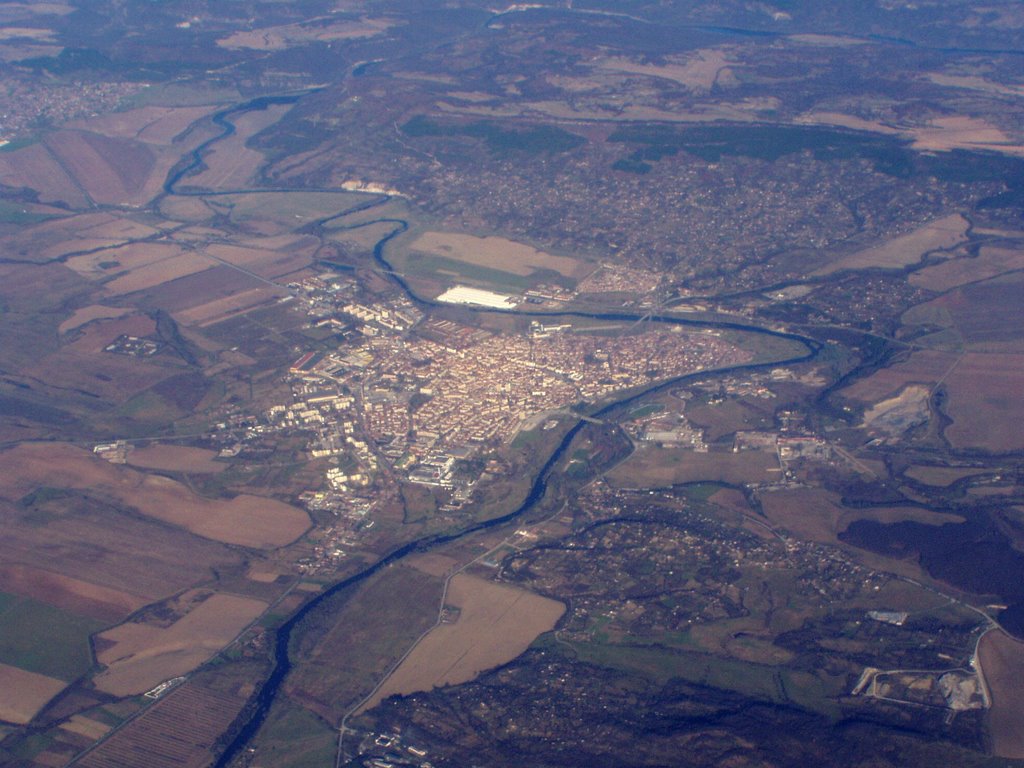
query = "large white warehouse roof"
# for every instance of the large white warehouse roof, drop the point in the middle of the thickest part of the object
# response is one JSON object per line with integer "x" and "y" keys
{"x": 463, "y": 294}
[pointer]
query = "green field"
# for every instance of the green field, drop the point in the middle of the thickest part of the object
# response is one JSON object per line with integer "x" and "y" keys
{"x": 296, "y": 738}
{"x": 422, "y": 265}
{"x": 662, "y": 664}
{"x": 40, "y": 638}
{"x": 14, "y": 213}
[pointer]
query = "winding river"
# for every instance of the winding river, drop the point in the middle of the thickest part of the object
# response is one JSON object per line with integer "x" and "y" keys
{"x": 257, "y": 711}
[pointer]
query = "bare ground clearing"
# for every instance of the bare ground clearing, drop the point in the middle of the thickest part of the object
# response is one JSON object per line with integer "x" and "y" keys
{"x": 496, "y": 623}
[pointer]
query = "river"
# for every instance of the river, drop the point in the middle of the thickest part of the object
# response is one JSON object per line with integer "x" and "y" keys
{"x": 258, "y": 710}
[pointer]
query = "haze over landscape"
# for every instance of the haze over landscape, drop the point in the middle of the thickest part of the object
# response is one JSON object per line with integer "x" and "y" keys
{"x": 603, "y": 383}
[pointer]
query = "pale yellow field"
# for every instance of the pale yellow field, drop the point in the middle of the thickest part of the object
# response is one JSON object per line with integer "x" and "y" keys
{"x": 496, "y": 253}
{"x": 941, "y": 135}
{"x": 496, "y": 624}
{"x": 975, "y": 83}
{"x": 130, "y": 257}
{"x": 90, "y": 313}
{"x": 697, "y": 71}
{"x": 160, "y": 272}
{"x": 30, "y": 33}
{"x": 963, "y": 132}
{"x": 22, "y": 693}
{"x": 218, "y": 309}
{"x": 83, "y": 726}
{"x": 232, "y": 164}
{"x": 287, "y": 35}
{"x": 141, "y": 656}
{"x": 906, "y": 249}
{"x": 988, "y": 263}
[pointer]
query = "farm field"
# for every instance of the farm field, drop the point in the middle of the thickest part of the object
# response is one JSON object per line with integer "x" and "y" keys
{"x": 985, "y": 404}
{"x": 818, "y": 515}
{"x": 76, "y": 596}
{"x": 151, "y": 124}
{"x": 269, "y": 259}
{"x": 121, "y": 261}
{"x": 159, "y": 272}
{"x": 287, "y": 35}
{"x": 990, "y": 262}
{"x": 941, "y": 234}
{"x": 495, "y": 624}
{"x": 363, "y": 640}
{"x": 286, "y": 210}
{"x": 940, "y": 476}
{"x": 193, "y": 290}
{"x": 24, "y": 693}
{"x": 233, "y": 164}
{"x": 656, "y": 467}
{"x": 71, "y": 235}
{"x": 144, "y": 561}
{"x": 982, "y": 316}
{"x": 43, "y": 639}
{"x": 923, "y": 367}
{"x": 176, "y": 458}
{"x": 725, "y": 418}
{"x": 36, "y": 168}
{"x": 139, "y": 656}
{"x": 497, "y": 253}
{"x": 1002, "y": 659}
{"x": 215, "y": 311}
{"x": 86, "y": 315}
{"x": 697, "y": 71}
{"x": 111, "y": 170}
{"x": 246, "y": 520}
{"x": 177, "y": 732}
